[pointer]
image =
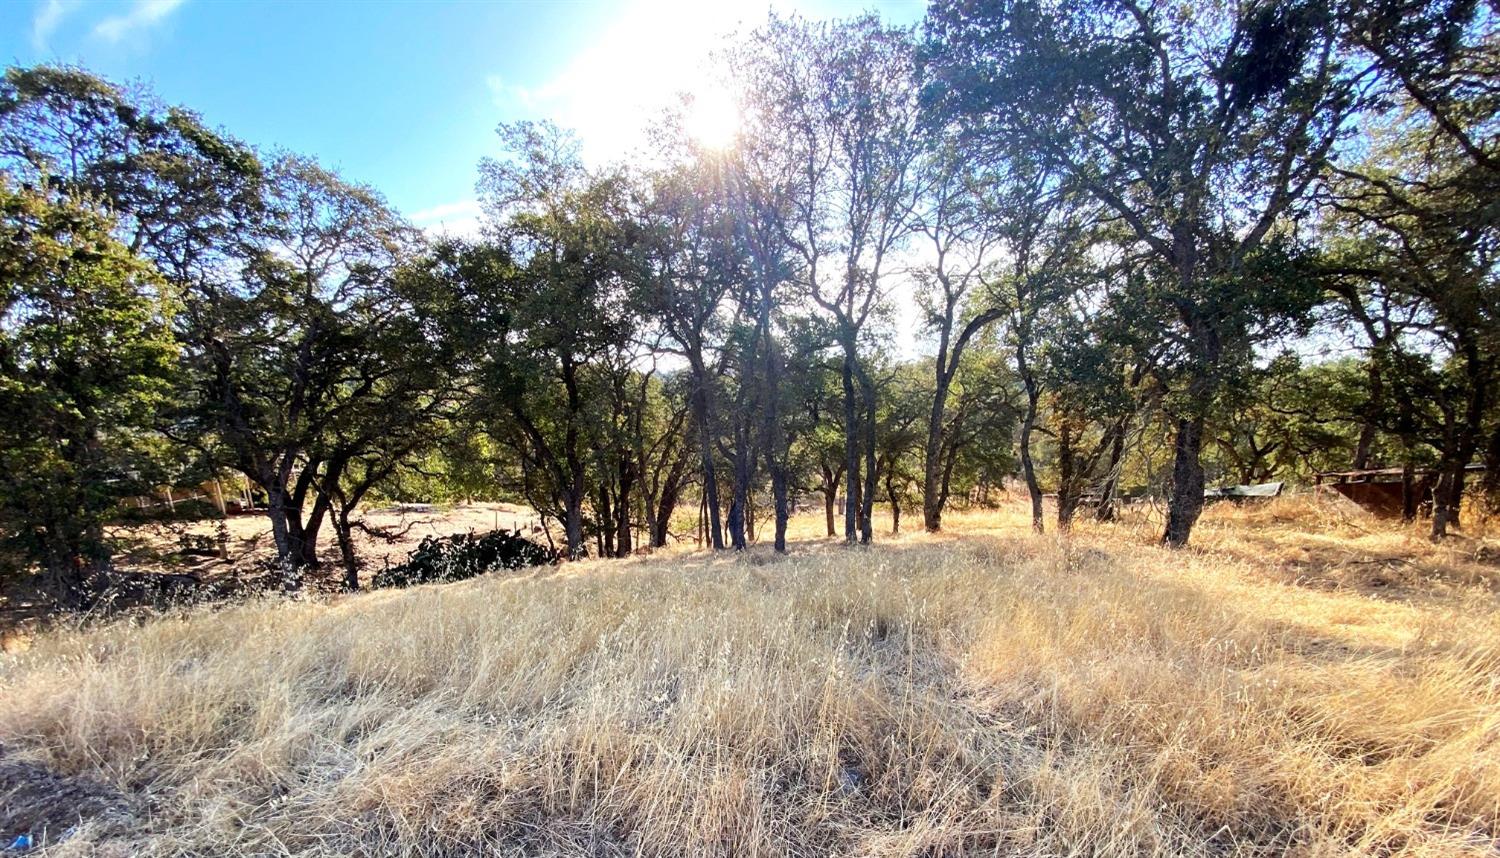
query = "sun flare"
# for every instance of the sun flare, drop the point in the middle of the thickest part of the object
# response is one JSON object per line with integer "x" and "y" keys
{"x": 712, "y": 118}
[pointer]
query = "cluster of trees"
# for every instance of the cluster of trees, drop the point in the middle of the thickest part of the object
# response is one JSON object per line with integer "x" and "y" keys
{"x": 1144, "y": 245}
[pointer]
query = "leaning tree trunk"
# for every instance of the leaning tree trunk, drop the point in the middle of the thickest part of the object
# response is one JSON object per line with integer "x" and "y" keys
{"x": 1111, "y": 487}
{"x": 276, "y": 512}
{"x": 666, "y": 502}
{"x": 1028, "y": 467}
{"x": 1447, "y": 495}
{"x": 830, "y": 490}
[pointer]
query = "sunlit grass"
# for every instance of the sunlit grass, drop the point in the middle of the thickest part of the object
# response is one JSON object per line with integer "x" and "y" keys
{"x": 980, "y": 692}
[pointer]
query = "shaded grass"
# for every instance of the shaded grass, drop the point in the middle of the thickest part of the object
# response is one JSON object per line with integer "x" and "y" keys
{"x": 985, "y": 693}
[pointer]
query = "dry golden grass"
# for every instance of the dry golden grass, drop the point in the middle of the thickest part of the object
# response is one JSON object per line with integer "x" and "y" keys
{"x": 988, "y": 692}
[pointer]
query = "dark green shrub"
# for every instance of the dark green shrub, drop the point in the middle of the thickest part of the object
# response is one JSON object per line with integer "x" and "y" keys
{"x": 464, "y": 555}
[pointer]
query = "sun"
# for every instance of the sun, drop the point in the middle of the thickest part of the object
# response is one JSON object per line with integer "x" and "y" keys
{"x": 711, "y": 118}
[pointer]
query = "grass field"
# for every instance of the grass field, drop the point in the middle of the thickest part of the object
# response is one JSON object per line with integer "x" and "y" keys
{"x": 1303, "y": 681}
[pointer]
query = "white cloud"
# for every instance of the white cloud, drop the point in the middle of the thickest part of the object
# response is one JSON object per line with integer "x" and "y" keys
{"x": 459, "y": 219}
{"x": 49, "y": 16}
{"x": 143, "y": 15}
{"x": 508, "y": 96}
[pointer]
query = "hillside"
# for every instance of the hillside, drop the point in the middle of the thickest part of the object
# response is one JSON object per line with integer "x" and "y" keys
{"x": 1298, "y": 683}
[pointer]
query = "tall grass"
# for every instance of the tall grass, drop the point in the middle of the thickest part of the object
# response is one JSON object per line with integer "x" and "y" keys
{"x": 990, "y": 693}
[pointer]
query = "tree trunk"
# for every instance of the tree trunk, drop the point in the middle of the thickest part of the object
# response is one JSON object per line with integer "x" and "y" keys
{"x": 606, "y": 523}
{"x": 1373, "y": 411}
{"x": 750, "y": 516}
{"x": 1067, "y": 476}
{"x": 713, "y": 525}
{"x": 867, "y": 499}
{"x": 851, "y": 454}
{"x": 830, "y": 495}
{"x": 1446, "y": 497}
{"x": 311, "y": 530}
{"x": 573, "y": 525}
{"x": 932, "y": 461}
{"x": 666, "y": 503}
{"x": 341, "y": 530}
{"x": 772, "y": 432}
{"x": 292, "y": 551}
{"x": 281, "y": 536}
{"x": 1186, "y": 502}
{"x": 830, "y": 490}
{"x": 1409, "y": 498}
{"x": 740, "y": 493}
{"x": 1028, "y": 467}
{"x": 1490, "y": 484}
{"x": 70, "y": 567}
{"x": 624, "y": 544}
{"x": 736, "y": 522}
{"x": 1107, "y": 504}
{"x": 783, "y": 512}
{"x": 1461, "y": 441}
{"x": 890, "y": 492}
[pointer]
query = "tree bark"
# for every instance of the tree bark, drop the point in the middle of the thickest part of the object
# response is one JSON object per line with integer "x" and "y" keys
{"x": 1490, "y": 484}
{"x": 1067, "y": 476}
{"x": 1028, "y": 423}
{"x": 851, "y": 454}
{"x": 1460, "y": 443}
{"x": 739, "y": 499}
{"x": 573, "y": 526}
{"x": 871, "y": 487}
{"x": 1107, "y": 503}
{"x": 606, "y": 523}
{"x": 932, "y": 464}
{"x": 666, "y": 501}
{"x": 1186, "y": 502}
{"x": 713, "y": 525}
{"x": 1409, "y": 498}
{"x": 783, "y": 511}
{"x": 341, "y": 530}
{"x": 895, "y": 499}
{"x": 623, "y": 538}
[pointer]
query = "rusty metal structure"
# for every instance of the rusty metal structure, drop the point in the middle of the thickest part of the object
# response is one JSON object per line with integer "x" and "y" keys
{"x": 1387, "y": 492}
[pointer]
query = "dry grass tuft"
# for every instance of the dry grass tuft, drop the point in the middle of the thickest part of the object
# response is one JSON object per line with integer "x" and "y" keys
{"x": 990, "y": 693}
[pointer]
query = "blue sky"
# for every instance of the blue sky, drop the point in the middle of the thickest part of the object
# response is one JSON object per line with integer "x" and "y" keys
{"x": 404, "y": 96}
